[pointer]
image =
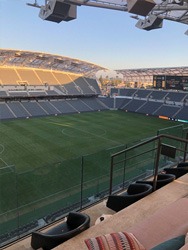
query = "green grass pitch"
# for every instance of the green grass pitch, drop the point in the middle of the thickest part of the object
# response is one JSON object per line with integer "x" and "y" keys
{"x": 37, "y": 142}
{"x": 46, "y": 154}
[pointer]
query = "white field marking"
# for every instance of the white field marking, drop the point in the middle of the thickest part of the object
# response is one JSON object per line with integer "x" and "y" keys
{"x": 60, "y": 124}
{"x": 4, "y": 162}
{"x": 99, "y": 136}
{"x": 84, "y": 131}
{"x": 2, "y": 148}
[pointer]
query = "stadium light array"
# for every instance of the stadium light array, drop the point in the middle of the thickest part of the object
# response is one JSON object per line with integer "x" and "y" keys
{"x": 155, "y": 11}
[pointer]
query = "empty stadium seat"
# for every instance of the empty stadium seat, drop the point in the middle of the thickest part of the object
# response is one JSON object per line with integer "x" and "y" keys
{"x": 75, "y": 224}
{"x": 181, "y": 169}
{"x": 134, "y": 193}
{"x": 162, "y": 180}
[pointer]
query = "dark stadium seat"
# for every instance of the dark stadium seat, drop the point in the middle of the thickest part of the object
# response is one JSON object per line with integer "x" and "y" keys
{"x": 75, "y": 224}
{"x": 134, "y": 193}
{"x": 162, "y": 180}
{"x": 181, "y": 169}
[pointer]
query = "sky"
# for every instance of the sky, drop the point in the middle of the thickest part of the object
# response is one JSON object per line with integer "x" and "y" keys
{"x": 104, "y": 37}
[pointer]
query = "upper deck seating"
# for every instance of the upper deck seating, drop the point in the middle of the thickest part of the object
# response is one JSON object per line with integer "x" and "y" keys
{"x": 93, "y": 84}
{"x": 51, "y": 92}
{"x": 176, "y": 96}
{"x": 71, "y": 89}
{"x": 3, "y": 93}
{"x": 158, "y": 95}
{"x": 37, "y": 93}
{"x": 114, "y": 91}
{"x": 61, "y": 90}
{"x": 143, "y": 93}
{"x": 29, "y": 76}
{"x": 84, "y": 86}
{"x": 127, "y": 92}
{"x": 18, "y": 93}
{"x": 46, "y": 77}
{"x": 8, "y": 76}
{"x": 61, "y": 77}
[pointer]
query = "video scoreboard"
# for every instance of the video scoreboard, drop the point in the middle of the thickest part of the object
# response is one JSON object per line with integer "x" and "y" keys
{"x": 170, "y": 82}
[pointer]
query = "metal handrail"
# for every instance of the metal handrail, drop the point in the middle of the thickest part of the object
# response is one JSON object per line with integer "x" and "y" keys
{"x": 157, "y": 138}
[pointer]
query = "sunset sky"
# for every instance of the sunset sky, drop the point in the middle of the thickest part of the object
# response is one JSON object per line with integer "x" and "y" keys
{"x": 105, "y": 37}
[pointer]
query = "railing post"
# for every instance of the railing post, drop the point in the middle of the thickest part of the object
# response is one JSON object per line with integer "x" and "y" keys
{"x": 157, "y": 164}
{"x": 111, "y": 174}
{"x": 82, "y": 179}
{"x": 124, "y": 166}
{"x": 185, "y": 150}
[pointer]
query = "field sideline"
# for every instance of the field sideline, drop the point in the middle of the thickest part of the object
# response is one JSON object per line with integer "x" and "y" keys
{"x": 37, "y": 142}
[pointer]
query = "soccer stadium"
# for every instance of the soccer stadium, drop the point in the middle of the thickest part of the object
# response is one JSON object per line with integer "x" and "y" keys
{"x": 70, "y": 151}
{"x": 93, "y": 125}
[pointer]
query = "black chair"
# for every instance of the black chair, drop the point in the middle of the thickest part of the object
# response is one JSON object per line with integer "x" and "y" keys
{"x": 180, "y": 170}
{"x": 75, "y": 224}
{"x": 162, "y": 180}
{"x": 134, "y": 193}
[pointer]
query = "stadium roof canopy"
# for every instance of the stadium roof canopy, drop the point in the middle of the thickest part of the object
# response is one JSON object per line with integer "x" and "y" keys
{"x": 148, "y": 13}
{"x": 46, "y": 61}
{"x": 19, "y": 58}
{"x": 145, "y": 75}
{"x": 175, "y": 71}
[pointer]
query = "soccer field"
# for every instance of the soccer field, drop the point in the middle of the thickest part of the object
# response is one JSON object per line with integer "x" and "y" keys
{"x": 48, "y": 171}
{"x": 37, "y": 142}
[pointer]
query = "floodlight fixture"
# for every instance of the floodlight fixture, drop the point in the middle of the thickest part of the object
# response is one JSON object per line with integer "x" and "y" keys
{"x": 57, "y": 11}
{"x": 150, "y": 23}
{"x": 140, "y": 7}
{"x": 154, "y": 11}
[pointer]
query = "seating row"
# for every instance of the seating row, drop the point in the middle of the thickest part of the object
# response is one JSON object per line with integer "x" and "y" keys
{"x": 78, "y": 222}
{"x": 142, "y": 188}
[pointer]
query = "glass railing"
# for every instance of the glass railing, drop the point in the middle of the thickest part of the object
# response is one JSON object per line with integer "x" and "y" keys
{"x": 30, "y": 200}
